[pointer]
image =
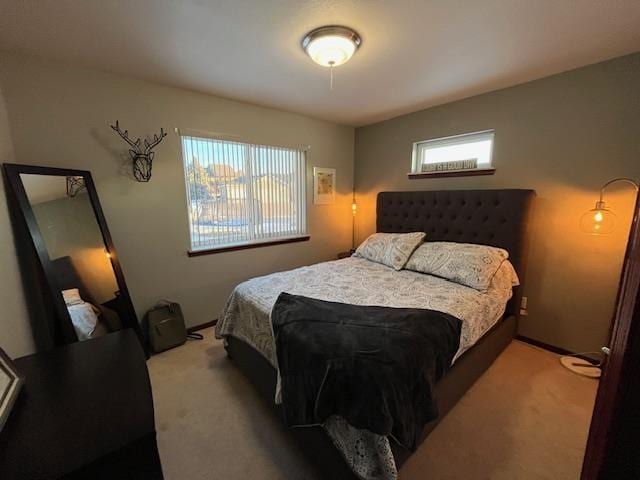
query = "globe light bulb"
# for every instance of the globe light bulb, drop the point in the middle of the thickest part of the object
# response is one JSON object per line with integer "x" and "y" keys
{"x": 598, "y": 221}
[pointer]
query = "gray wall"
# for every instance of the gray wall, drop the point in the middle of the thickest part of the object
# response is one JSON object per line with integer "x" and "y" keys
{"x": 69, "y": 228}
{"x": 60, "y": 116}
{"x": 15, "y": 333}
{"x": 563, "y": 136}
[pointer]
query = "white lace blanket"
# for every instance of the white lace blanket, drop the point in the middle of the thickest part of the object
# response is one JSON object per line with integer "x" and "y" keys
{"x": 362, "y": 282}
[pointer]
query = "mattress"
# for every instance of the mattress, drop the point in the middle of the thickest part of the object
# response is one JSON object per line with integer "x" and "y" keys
{"x": 361, "y": 282}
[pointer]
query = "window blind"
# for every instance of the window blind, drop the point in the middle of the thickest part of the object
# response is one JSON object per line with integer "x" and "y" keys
{"x": 241, "y": 193}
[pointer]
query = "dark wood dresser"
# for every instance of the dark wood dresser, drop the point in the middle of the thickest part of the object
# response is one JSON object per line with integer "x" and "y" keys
{"x": 85, "y": 412}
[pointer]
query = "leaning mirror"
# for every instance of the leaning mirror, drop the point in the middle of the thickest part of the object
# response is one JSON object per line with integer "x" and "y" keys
{"x": 77, "y": 267}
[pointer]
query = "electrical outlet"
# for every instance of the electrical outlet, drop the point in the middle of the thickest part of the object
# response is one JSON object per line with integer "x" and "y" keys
{"x": 523, "y": 303}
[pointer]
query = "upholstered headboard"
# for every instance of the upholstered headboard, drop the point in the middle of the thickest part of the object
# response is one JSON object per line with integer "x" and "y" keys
{"x": 67, "y": 276}
{"x": 488, "y": 217}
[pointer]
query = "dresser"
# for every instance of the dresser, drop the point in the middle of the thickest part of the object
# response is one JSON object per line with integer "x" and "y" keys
{"x": 85, "y": 412}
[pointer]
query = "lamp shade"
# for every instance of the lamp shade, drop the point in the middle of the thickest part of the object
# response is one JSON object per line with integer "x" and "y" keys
{"x": 598, "y": 221}
{"x": 331, "y": 46}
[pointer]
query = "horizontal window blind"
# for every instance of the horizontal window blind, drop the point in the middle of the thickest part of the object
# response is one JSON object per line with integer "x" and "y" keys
{"x": 241, "y": 193}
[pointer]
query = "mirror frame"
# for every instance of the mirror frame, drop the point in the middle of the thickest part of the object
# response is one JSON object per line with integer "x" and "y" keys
{"x": 63, "y": 331}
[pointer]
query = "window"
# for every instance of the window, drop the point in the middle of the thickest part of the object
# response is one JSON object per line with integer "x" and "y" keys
{"x": 240, "y": 194}
{"x": 462, "y": 153}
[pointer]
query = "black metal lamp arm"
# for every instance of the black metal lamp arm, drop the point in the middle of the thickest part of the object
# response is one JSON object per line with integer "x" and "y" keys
{"x": 616, "y": 180}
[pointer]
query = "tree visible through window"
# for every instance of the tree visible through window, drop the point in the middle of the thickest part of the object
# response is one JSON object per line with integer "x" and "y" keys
{"x": 240, "y": 193}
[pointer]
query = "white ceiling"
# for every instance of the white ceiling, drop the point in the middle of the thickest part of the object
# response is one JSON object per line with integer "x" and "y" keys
{"x": 415, "y": 53}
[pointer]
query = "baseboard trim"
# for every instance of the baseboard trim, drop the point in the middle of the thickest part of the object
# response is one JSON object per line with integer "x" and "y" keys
{"x": 202, "y": 326}
{"x": 543, "y": 345}
{"x": 551, "y": 348}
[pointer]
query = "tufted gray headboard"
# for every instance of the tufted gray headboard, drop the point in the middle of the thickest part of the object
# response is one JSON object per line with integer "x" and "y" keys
{"x": 488, "y": 217}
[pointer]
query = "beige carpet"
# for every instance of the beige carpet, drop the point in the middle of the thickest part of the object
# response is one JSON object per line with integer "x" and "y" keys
{"x": 526, "y": 418}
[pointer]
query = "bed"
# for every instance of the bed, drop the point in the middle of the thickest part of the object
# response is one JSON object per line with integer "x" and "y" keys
{"x": 89, "y": 318}
{"x": 489, "y": 217}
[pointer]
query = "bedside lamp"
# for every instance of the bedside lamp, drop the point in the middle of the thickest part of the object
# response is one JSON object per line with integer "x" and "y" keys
{"x": 598, "y": 221}
{"x": 354, "y": 210}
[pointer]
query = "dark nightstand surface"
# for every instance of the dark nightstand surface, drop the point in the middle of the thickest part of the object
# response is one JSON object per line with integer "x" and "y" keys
{"x": 80, "y": 403}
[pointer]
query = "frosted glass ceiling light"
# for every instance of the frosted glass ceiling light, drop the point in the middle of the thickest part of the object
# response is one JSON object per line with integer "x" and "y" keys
{"x": 331, "y": 46}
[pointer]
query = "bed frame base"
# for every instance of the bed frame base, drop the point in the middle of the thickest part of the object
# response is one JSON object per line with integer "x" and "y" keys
{"x": 317, "y": 444}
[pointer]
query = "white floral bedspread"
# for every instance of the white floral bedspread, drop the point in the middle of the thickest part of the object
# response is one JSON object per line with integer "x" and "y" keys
{"x": 358, "y": 281}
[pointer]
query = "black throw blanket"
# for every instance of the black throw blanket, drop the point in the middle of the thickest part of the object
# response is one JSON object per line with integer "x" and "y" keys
{"x": 374, "y": 366}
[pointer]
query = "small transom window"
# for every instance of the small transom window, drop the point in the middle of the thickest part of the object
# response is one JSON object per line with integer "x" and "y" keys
{"x": 460, "y": 153}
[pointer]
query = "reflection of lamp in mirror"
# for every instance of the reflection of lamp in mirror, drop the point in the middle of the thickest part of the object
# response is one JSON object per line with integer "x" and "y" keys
{"x": 600, "y": 220}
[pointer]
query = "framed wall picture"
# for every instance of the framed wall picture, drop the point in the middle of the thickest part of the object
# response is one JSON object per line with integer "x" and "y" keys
{"x": 324, "y": 186}
{"x": 10, "y": 384}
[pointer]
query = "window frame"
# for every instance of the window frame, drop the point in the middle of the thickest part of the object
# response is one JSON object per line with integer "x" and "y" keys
{"x": 253, "y": 243}
{"x": 416, "y": 165}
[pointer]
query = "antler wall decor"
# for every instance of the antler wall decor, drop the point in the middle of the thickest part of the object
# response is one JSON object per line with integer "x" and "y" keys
{"x": 75, "y": 185}
{"x": 142, "y": 156}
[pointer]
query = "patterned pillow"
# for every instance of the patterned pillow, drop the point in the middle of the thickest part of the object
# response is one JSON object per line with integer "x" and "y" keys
{"x": 390, "y": 249}
{"x": 464, "y": 263}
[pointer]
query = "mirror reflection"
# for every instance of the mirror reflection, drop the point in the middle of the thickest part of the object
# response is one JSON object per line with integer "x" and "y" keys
{"x": 80, "y": 261}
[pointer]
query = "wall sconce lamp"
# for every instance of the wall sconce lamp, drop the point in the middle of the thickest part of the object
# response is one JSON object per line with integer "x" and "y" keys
{"x": 600, "y": 220}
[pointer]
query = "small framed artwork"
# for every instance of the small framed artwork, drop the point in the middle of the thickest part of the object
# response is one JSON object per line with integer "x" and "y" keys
{"x": 10, "y": 384}
{"x": 324, "y": 186}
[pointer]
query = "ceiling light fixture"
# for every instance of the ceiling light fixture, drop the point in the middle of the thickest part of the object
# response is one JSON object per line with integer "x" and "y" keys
{"x": 331, "y": 46}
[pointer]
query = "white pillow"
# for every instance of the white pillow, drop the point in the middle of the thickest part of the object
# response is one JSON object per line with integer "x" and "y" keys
{"x": 505, "y": 278}
{"x": 390, "y": 249}
{"x": 464, "y": 263}
{"x": 84, "y": 319}
{"x": 72, "y": 297}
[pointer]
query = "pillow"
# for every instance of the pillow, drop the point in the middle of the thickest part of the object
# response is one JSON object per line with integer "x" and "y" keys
{"x": 464, "y": 263}
{"x": 505, "y": 278}
{"x": 390, "y": 249}
{"x": 72, "y": 297}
